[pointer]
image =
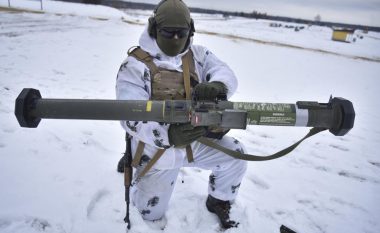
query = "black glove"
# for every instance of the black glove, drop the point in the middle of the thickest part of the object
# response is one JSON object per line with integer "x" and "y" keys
{"x": 210, "y": 91}
{"x": 184, "y": 134}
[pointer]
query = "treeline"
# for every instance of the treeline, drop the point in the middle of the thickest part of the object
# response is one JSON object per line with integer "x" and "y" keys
{"x": 254, "y": 15}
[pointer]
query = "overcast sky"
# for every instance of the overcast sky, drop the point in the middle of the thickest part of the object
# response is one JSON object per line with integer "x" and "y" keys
{"x": 365, "y": 12}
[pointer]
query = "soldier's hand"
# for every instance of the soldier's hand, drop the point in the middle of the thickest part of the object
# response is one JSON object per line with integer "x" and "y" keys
{"x": 210, "y": 91}
{"x": 184, "y": 134}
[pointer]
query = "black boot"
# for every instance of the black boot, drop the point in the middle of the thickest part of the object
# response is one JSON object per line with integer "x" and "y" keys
{"x": 222, "y": 210}
{"x": 120, "y": 165}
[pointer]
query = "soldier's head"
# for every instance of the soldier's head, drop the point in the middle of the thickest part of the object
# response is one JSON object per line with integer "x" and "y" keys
{"x": 171, "y": 26}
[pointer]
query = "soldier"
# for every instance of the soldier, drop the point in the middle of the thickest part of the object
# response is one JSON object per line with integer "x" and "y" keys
{"x": 166, "y": 65}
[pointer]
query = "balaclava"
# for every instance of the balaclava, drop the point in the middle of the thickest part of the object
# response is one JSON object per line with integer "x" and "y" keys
{"x": 172, "y": 14}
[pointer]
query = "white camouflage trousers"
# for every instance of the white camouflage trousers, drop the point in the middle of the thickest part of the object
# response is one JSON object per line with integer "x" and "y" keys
{"x": 151, "y": 194}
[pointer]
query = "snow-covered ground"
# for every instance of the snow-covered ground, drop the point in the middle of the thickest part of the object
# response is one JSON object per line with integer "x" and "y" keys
{"x": 307, "y": 37}
{"x": 67, "y": 8}
{"x": 61, "y": 176}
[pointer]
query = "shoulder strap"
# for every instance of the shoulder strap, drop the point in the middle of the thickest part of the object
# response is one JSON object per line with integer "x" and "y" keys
{"x": 249, "y": 157}
{"x": 192, "y": 65}
{"x": 194, "y": 80}
{"x": 186, "y": 74}
{"x": 143, "y": 57}
{"x": 187, "y": 59}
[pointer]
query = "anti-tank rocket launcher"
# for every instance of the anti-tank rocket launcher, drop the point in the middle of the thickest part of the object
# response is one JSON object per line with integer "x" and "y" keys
{"x": 337, "y": 115}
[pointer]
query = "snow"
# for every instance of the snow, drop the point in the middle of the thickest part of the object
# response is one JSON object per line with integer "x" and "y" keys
{"x": 67, "y": 8}
{"x": 61, "y": 176}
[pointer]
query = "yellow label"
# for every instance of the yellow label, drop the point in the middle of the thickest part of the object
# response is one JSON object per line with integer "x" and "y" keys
{"x": 149, "y": 106}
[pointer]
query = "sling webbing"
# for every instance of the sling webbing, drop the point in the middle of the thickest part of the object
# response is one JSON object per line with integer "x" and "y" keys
{"x": 144, "y": 57}
{"x": 154, "y": 159}
{"x": 186, "y": 75}
{"x": 138, "y": 155}
{"x": 189, "y": 154}
{"x": 186, "y": 79}
{"x": 248, "y": 157}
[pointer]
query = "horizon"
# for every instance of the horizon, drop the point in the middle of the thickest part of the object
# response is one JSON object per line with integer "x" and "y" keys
{"x": 359, "y": 12}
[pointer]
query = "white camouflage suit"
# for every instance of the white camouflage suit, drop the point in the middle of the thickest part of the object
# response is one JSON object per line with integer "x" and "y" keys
{"x": 152, "y": 193}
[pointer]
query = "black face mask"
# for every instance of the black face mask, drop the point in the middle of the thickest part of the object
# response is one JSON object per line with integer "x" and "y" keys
{"x": 172, "y": 41}
{"x": 170, "y": 33}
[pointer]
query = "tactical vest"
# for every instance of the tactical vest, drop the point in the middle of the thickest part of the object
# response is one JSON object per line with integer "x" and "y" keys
{"x": 169, "y": 84}
{"x": 166, "y": 84}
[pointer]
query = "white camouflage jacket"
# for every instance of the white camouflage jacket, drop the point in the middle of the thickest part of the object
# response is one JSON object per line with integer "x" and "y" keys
{"x": 133, "y": 83}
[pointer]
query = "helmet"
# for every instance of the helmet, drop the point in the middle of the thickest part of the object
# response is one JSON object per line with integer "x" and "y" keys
{"x": 171, "y": 26}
